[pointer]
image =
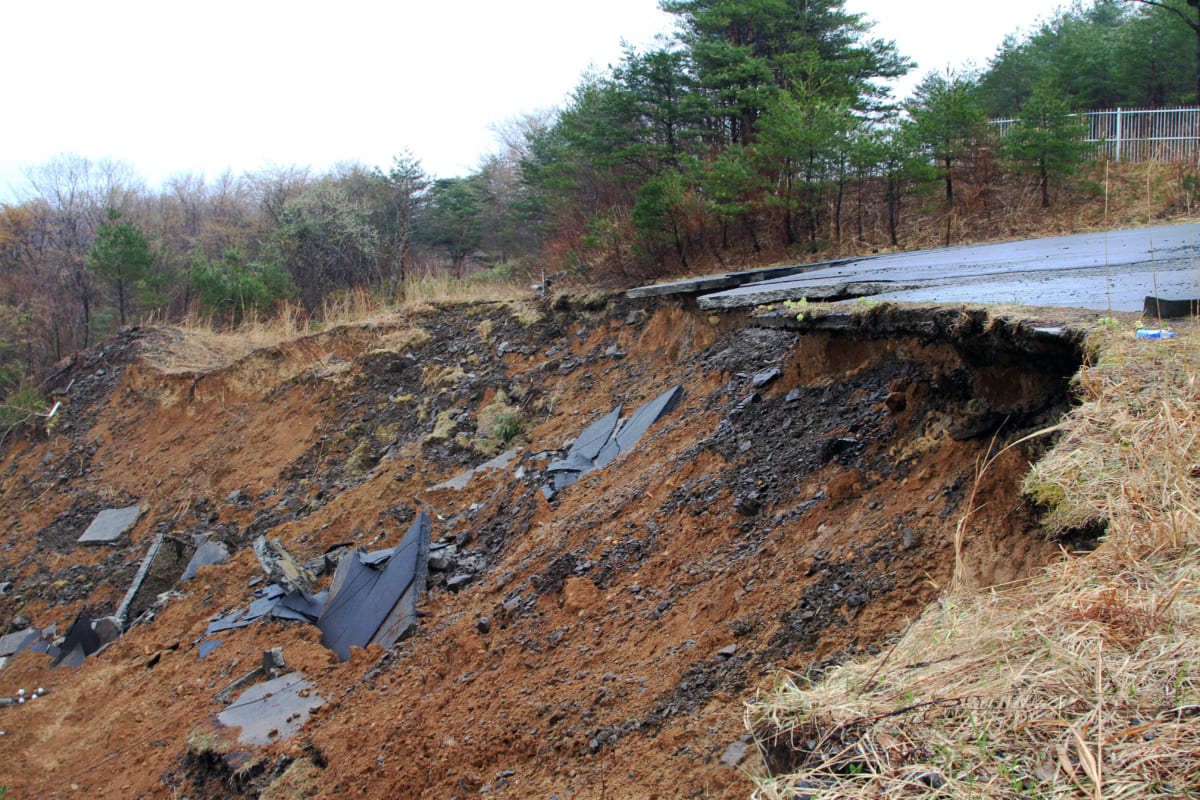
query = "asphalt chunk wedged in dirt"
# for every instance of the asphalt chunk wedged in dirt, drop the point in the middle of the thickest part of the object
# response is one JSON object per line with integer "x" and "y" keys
{"x": 607, "y": 639}
{"x": 375, "y": 600}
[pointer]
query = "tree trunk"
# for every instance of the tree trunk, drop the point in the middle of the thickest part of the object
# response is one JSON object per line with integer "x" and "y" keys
{"x": 678, "y": 244}
{"x": 750, "y": 230}
{"x": 788, "y": 189}
{"x": 816, "y": 200}
{"x": 949, "y": 198}
{"x": 837, "y": 211}
{"x": 1197, "y": 29}
{"x": 891, "y": 201}
{"x": 858, "y": 215}
{"x": 85, "y": 299}
{"x": 402, "y": 277}
{"x": 1045, "y": 183}
{"x": 1194, "y": 25}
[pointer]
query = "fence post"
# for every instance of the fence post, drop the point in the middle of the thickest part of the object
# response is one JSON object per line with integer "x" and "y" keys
{"x": 1118, "y": 159}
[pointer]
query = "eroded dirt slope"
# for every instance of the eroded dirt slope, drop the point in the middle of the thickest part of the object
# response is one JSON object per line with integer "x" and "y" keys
{"x": 602, "y": 644}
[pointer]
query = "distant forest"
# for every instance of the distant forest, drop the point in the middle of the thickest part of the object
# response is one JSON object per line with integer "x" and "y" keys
{"x": 763, "y": 129}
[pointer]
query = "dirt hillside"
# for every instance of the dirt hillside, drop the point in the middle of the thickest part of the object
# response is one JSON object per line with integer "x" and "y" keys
{"x": 600, "y": 644}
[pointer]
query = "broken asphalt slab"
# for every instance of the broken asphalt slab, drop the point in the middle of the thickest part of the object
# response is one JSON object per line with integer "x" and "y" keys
{"x": 459, "y": 482}
{"x": 109, "y": 524}
{"x": 286, "y": 599}
{"x": 13, "y": 643}
{"x": 274, "y": 601}
{"x": 228, "y": 622}
{"x": 73, "y": 658}
{"x": 300, "y": 606}
{"x": 371, "y": 602}
{"x": 205, "y": 648}
{"x": 207, "y": 554}
{"x": 637, "y": 425}
{"x": 272, "y": 710}
{"x": 81, "y": 642}
{"x": 605, "y": 439}
{"x": 581, "y": 457}
{"x": 164, "y": 563}
{"x": 589, "y": 444}
{"x": 1162, "y": 308}
{"x": 723, "y": 280}
{"x": 34, "y": 640}
{"x": 282, "y": 567}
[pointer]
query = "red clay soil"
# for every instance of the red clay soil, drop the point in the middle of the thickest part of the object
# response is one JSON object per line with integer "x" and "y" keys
{"x": 601, "y": 645}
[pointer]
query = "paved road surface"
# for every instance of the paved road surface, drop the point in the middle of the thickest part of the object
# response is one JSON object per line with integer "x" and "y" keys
{"x": 1094, "y": 270}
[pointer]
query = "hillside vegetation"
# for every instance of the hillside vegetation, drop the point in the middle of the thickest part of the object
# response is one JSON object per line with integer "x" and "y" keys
{"x": 762, "y": 131}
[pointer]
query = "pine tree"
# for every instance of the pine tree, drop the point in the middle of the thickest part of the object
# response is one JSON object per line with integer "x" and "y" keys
{"x": 745, "y": 54}
{"x": 950, "y": 122}
{"x": 404, "y": 189}
{"x": 1046, "y": 139}
{"x": 122, "y": 256}
{"x": 452, "y": 220}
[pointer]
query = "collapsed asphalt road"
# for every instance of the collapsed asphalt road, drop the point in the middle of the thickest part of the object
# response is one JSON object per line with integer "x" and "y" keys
{"x": 1111, "y": 271}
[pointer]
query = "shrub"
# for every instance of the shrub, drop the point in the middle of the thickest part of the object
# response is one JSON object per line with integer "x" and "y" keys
{"x": 22, "y": 405}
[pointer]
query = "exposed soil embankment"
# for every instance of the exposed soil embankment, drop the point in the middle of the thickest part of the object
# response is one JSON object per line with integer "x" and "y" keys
{"x": 797, "y": 506}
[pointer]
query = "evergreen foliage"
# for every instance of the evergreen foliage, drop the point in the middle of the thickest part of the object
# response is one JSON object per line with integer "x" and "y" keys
{"x": 1103, "y": 55}
{"x": 747, "y": 54}
{"x": 233, "y": 288}
{"x": 1047, "y": 140}
{"x": 20, "y": 401}
{"x": 122, "y": 256}
{"x": 453, "y": 222}
{"x": 400, "y": 199}
{"x": 949, "y": 121}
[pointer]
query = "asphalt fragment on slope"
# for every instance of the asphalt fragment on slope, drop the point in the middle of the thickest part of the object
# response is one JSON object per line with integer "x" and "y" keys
{"x": 374, "y": 600}
{"x": 110, "y": 524}
{"x": 607, "y": 438}
{"x": 272, "y": 710}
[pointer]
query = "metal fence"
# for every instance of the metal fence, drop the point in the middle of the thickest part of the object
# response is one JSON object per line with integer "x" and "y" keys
{"x": 1140, "y": 134}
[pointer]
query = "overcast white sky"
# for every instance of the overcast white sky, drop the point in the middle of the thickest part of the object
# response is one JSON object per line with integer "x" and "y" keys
{"x": 201, "y": 87}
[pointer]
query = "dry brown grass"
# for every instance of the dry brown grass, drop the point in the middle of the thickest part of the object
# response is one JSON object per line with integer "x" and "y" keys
{"x": 1081, "y": 682}
{"x": 429, "y": 291}
{"x": 1131, "y": 449}
{"x": 1103, "y": 196}
{"x": 200, "y": 344}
